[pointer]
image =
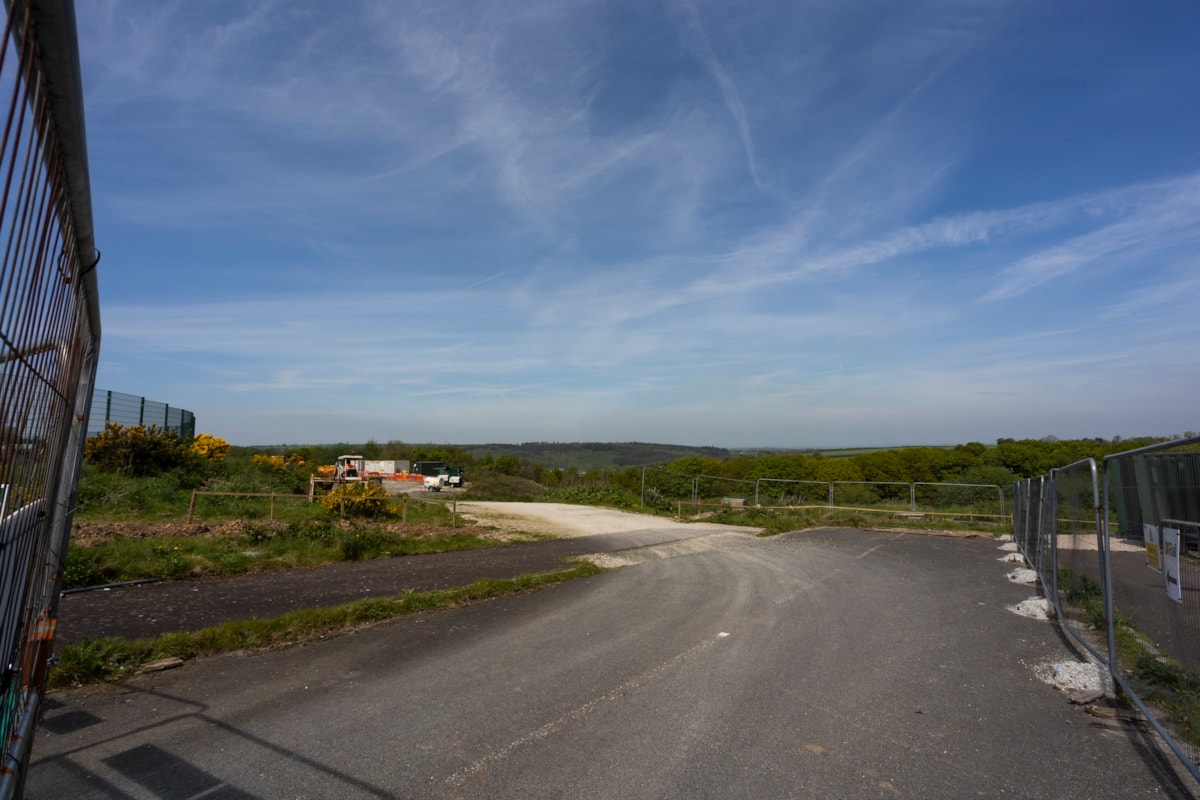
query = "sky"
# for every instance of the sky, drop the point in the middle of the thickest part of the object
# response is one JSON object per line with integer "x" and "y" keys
{"x": 704, "y": 222}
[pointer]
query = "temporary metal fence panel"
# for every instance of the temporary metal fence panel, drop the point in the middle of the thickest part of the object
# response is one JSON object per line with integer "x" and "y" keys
{"x": 1125, "y": 574}
{"x": 1154, "y": 584}
{"x": 1072, "y": 562}
{"x": 728, "y": 489}
{"x": 49, "y": 345}
{"x": 784, "y": 492}
{"x": 1028, "y": 519}
{"x": 977, "y": 498}
{"x": 661, "y": 488}
{"x": 130, "y": 410}
{"x": 858, "y": 493}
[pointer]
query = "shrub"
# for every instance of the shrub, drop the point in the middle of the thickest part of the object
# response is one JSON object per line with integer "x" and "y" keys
{"x": 356, "y": 499}
{"x": 487, "y": 485}
{"x": 139, "y": 451}
{"x": 592, "y": 496}
{"x": 214, "y": 448}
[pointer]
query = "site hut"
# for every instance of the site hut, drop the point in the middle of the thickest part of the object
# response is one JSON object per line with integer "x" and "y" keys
{"x": 428, "y": 467}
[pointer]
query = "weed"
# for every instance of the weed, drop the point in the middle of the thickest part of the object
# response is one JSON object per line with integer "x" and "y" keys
{"x": 96, "y": 660}
{"x": 259, "y": 549}
{"x": 592, "y": 496}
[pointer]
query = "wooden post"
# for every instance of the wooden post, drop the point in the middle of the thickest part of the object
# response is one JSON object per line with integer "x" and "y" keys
{"x": 192, "y": 507}
{"x": 272, "y": 517}
{"x": 404, "y": 509}
{"x": 454, "y": 513}
{"x": 679, "y": 510}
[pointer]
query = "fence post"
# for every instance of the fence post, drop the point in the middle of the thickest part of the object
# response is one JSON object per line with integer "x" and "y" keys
{"x": 454, "y": 513}
{"x": 272, "y": 515}
{"x": 404, "y": 509}
{"x": 192, "y": 507}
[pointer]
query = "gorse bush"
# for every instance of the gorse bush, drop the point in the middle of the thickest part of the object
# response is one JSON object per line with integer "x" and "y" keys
{"x": 214, "y": 448}
{"x": 356, "y": 499}
{"x": 139, "y": 451}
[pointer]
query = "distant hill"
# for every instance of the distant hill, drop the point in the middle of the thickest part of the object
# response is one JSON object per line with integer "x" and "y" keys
{"x": 594, "y": 455}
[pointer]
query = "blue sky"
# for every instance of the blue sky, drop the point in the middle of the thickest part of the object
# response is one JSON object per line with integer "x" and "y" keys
{"x": 702, "y": 222}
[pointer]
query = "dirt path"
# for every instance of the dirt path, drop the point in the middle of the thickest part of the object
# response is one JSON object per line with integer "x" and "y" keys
{"x": 564, "y": 520}
{"x": 570, "y": 531}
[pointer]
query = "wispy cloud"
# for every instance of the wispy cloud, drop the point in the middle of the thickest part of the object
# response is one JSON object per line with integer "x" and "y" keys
{"x": 1158, "y": 221}
{"x": 614, "y": 221}
{"x": 696, "y": 39}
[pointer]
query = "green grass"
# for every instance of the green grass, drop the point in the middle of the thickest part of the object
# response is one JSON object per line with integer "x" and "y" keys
{"x": 1163, "y": 681}
{"x": 592, "y": 496}
{"x": 260, "y": 548}
{"x": 108, "y": 659}
{"x": 494, "y": 486}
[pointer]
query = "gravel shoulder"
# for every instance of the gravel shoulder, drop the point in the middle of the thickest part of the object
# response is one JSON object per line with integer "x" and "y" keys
{"x": 565, "y": 520}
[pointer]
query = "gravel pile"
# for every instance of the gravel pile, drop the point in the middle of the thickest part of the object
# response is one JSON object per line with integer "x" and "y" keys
{"x": 1075, "y": 677}
{"x": 1034, "y": 608}
{"x": 1027, "y": 576}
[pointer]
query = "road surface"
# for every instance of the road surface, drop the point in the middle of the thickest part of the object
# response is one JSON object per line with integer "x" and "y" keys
{"x": 824, "y": 664}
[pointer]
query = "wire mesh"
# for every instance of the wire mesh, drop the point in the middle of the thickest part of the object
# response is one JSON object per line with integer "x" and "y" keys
{"x": 1154, "y": 553}
{"x": 49, "y": 341}
{"x": 127, "y": 409}
{"x": 1075, "y": 574}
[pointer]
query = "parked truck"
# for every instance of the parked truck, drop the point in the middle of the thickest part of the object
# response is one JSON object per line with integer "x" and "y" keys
{"x": 451, "y": 477}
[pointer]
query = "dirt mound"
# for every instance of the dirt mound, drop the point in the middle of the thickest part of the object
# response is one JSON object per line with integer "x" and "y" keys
{"x": 94, "y": 533}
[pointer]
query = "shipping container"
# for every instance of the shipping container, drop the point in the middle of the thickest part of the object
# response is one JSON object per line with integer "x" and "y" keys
{"x": 386, "y": 467}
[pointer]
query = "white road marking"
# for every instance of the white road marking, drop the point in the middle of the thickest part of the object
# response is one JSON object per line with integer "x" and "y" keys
{"x": 872, "y": 550}
{"x": 459, "y": 778}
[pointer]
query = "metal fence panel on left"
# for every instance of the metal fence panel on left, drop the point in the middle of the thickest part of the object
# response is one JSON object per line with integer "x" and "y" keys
{"x": 49, "y": 345}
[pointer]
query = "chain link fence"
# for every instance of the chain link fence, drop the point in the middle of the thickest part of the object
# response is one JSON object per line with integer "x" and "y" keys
{"x": 1123, "y": 572}
{"x": 49, "y": 345}
{"x": 128, "y": 409}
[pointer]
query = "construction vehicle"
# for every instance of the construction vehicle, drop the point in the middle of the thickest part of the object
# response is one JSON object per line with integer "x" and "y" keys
{"x": 348, "y": 469}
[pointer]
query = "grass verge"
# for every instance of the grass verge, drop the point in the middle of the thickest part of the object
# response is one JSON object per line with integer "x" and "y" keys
{"x": 112, "y": 658}
{"x": 259, "y": 548}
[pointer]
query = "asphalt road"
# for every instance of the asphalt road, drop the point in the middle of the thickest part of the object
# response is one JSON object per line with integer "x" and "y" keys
{"x": 828, "y": 664}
